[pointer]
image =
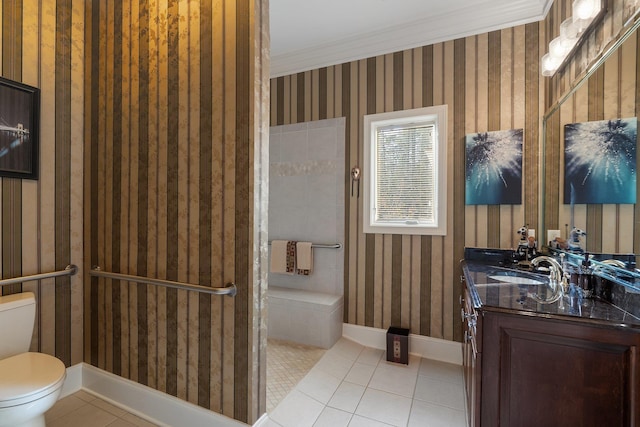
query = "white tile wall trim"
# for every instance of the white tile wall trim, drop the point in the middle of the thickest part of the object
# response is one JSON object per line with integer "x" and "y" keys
{"x": 152, "y": 405}
{"x": 426, "y": 347}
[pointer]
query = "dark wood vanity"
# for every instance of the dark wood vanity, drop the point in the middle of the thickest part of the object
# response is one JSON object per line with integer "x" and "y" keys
{"x": 532, "y": 364}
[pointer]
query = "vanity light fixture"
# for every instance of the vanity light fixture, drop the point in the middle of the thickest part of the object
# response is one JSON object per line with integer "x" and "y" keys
{"x": 572, "y": 30}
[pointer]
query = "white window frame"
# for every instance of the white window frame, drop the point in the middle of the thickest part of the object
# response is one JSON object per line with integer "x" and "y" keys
{"x": 436, "y": 115}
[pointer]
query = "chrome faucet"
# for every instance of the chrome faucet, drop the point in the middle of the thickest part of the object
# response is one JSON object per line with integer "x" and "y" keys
{"x": 608, "y": 263}
{"x": 615, "y": 263}
{"x": 555, "y": 272}
{"x": 556, "y": 276}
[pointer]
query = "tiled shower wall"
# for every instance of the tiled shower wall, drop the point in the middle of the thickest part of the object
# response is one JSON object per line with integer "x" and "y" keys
{"x": 306, "y": 198}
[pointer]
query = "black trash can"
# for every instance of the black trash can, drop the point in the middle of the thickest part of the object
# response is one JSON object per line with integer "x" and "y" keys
{"x": 398, "y": 345}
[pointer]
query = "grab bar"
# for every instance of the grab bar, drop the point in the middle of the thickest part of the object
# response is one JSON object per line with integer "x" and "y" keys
{"x": 69, "y": 270}
{"x": 325, "y": 245}
{"x": 230, "y": 289}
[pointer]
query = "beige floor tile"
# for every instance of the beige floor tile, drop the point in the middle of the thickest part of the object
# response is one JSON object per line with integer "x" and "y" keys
{"x": 137, "y": 421}
{"x": 85, "y": 416}
{"x": 118, "y": 412}
{"x": 63, "y": 407}
{"x": 87, "y": 397}
{"x": 119, "y": 422}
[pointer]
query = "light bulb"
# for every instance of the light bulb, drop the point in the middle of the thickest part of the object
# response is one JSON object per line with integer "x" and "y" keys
{"x": 558, "y": 48}
{"x": 549, "y": 65}
{"x": 585, "y": 9}
{"x": 568, "y": 30}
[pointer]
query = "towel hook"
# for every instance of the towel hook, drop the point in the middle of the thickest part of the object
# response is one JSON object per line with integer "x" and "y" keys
{"x": 355, "y": 177}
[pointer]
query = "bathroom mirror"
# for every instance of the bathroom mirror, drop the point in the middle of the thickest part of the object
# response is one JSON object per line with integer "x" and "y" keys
{"x": 608, "y": 91}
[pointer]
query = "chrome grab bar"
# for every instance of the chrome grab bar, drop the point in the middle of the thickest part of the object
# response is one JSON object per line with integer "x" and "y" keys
{"x": 325, "y": 245}
{"x": 69, "y": 270}
{"x": 230, "y": 289}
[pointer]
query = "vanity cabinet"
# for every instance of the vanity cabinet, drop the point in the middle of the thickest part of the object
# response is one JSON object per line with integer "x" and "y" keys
{"x": 534, "y": 370}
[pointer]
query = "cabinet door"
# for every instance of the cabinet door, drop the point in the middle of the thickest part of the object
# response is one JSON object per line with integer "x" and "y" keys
{"x": 542, "y": 372}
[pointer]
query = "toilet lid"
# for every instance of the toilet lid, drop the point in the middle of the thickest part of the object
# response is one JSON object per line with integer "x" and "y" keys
{"x": 27, "y": 374}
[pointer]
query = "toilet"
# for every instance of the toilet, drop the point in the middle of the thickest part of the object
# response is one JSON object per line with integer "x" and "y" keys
{"x": 30, "y": 383}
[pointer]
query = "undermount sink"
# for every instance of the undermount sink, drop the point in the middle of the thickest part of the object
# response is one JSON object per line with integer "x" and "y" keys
{"x": 516, "y": 279}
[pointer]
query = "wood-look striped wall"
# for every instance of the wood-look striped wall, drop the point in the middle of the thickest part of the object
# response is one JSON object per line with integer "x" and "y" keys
{"x": 172, "y": 116}
{"x": 41, "y": 221}
{"x": 611, "y": 92}
{"x": 490, "y": 82}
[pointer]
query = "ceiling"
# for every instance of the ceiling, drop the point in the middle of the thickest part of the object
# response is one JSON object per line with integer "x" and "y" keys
{"x": 310, "y": 34}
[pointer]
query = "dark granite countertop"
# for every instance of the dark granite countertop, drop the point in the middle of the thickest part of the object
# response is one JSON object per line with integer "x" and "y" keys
{"x": 511, "y": 290}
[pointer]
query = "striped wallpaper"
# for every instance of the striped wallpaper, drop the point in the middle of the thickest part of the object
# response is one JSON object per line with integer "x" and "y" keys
{"x": 151, "y": 121}
{"x": 490, "y": 82}
{"x": 172, "y": 113}
{"x": 41, "y": 221}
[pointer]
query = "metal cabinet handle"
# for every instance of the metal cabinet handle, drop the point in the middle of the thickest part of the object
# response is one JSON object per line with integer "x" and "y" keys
{"x": 469, "y": 316}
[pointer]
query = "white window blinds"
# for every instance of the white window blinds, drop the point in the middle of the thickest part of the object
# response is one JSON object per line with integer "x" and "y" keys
{"x": 405, "y": 172}
{"x": 405, "y": 180}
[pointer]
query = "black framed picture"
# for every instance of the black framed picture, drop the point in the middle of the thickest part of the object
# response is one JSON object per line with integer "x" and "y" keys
{"x": 19, "y": 125}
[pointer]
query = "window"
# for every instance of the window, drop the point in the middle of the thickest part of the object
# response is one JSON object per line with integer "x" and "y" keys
{"x": 405, "y": 169}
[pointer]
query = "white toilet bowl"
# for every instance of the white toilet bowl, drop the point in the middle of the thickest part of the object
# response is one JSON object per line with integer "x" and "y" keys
{"x": 30, "y": 384}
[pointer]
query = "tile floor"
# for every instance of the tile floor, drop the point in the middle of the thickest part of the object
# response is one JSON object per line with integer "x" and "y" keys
{"x": 82, "y": 409}
{"x": 287, "y": 364}
{"x": 350, "y": 385}
{"x": 355, "y": 386}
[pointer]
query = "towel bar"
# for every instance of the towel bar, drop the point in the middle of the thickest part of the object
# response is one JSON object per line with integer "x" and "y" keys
{"x": 325, "y": 245}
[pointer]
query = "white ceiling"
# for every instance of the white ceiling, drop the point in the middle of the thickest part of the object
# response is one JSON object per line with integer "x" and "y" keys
{"x": 310, "y": 34}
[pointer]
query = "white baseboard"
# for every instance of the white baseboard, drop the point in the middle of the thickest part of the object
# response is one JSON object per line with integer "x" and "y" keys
{"x": 73, "y": 382}
{"x": 147, "y": 403}
{"x": 427, "y": 347}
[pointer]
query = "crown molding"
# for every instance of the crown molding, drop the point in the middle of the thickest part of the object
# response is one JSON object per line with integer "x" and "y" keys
{"x": 473, "y": 20}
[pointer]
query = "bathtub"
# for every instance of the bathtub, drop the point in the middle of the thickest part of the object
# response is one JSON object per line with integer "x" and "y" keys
{"x": 305, "y": 317}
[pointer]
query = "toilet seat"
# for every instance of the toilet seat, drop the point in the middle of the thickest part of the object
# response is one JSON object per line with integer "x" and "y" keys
{"x": 29, "y": 376}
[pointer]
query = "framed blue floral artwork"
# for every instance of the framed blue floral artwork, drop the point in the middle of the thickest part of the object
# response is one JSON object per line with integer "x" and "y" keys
{"x": 493, "y": 168}
{"x": 600, "y": 162}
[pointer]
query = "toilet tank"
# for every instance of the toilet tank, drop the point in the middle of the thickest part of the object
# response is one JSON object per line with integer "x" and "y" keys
{"x": 17, "y": 316}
